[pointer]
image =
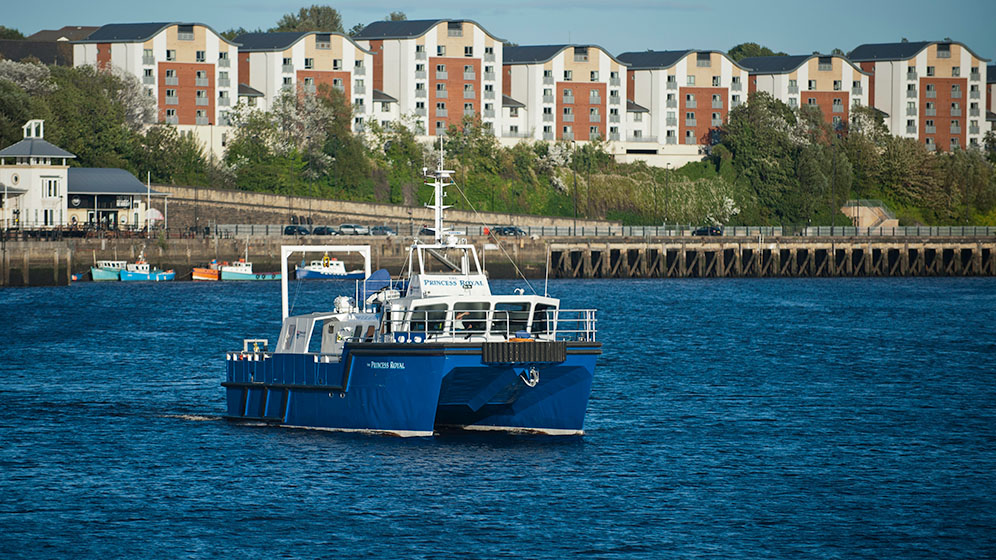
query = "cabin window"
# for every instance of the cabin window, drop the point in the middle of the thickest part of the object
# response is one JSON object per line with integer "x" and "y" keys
{"x": 428, "y": 318}
{"x": 315, "y": 342}
{"x": 540, "y": 317}
{"x": 510, "y": 317}
{"x": 470, "y": 317}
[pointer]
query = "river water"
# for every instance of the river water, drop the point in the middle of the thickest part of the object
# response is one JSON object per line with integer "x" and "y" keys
{"x": 739, "y": 418}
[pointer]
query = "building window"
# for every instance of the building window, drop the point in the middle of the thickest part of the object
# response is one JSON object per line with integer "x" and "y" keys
{"x": 171, "y": 93}
{"x": 185, "y": 32}
{"x": 440, "y": 50}
{"x": 323, "y": 41}
{"x": 593, "y": 131}
{"x": 200, "y": 56}
{"x": 837, "y": 85}
{"x": 812, "y": 85}
{"x": 637, "y": 117}
{"x": 580, "y": 54}
{"x": 837, "y": 120}
{"x": 793, "y": 102}
{"x": 930, "y": 71}
{"x": 385, "y": 107}
{"x": 309, "y": 81}
{"x": 309, "y": 63}
{"x": 548, "y": 73}
{"x": 441, "y": 86}
{"x": 691, "y": 81}
{"x": 468, "y": 51}
{"x": 147, "y": 55}
{"x": 955, "y": 71}
{"x": 170, "y": 54}
{"x": 148, "y": 73}
{"x": 50, "y": 186}
{"x": 811, "y": 101}
{"x": 594, "y": 76}
{"x": 171, "y": 113}
{"x": 825, "y": 64}
{"x": 288, "y": 81}
{"x": 440, "y": 105}
{"x": 568, "y": 75}
{"x": 715, "y": 81}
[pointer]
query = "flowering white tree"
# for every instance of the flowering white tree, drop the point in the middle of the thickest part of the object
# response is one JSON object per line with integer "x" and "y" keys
{"x": 33, "y": 78}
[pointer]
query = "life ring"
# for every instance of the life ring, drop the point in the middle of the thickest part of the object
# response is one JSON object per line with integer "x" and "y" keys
{"x": 325, "y": 261}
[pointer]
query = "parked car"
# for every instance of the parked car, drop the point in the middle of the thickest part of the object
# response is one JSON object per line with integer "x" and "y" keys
{"x": 708, "y": 231}
{"x": 296, "y": 230}
{"x": 353, "y": 229}
{"x": 515, "y": 231}
{"x": 324, "y": 230}
{"x": 382, "y": 230}
{"x": 426, "y": 231}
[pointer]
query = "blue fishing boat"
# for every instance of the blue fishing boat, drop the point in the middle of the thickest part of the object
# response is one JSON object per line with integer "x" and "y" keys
{"x": 432, "y": 351}
{"x": 140, "y": 271}
{"x": 242, "y": 270}
{"x": 327, "y": 268}
{"x": 107, "y": 270}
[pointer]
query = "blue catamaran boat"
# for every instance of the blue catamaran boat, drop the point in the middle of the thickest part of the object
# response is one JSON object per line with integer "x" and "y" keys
{"x": 436, "y": 350}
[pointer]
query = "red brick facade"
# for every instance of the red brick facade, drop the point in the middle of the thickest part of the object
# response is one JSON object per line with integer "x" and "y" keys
{"x": 377, "y": 47}
{"x": 103, "y": 55}
{"x": 825, "y": 101}
{"x": 244, "y": 68}
{"x": 455, "y": 83}
{"x": 186, "y": 91}
{"x": 943, "y": 117}
{"x": 325, "y": 77}
{"x": 581, "y": 109}
{"x": 703, "y": 111}
{"x": 870, "y": 68}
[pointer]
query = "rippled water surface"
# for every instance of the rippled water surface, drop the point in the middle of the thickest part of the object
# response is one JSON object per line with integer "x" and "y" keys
{"x": 835, "y": 418}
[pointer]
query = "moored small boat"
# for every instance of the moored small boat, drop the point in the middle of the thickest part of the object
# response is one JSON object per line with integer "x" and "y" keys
{"x": 242, "y": 270}
{"x": 327, "y": 269}
{"x": 140, "y": 271}
{"x": 210, "y": 273}
{"x": 107, "y": 270}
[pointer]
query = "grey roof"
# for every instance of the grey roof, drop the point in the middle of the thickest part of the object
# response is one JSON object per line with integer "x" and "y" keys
{"x": 70, "y": 32}
{"x": 536, "y": 54}
{"x": 990, "y": 116}
{"x": 407, "y": 29}
{"x": 137, "y": 32}
{"x": 35, "y": 147}
{"x": 991, "y": 74}
{"x": 381, "y": 97}
{"x": 246, "y": 91}
{"x": 507, "y": 101}
{"x": 98, "y": 180}
{"x": 645, "y": 60}
{"x": 634, "y": 108}
{"x": 59, "y": 53}
{"x": 870, "y": 52}
{"x": 276, "y": 41}
{"x": 774, "y": 64}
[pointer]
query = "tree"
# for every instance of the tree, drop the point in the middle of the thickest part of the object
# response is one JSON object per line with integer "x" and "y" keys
{"x": 8, "y": 33}
{"x": 396, "y": 16}
{"x": 314, "y": 18}
{"x": 744, "y": 50}
{"x": 232, "y": 33}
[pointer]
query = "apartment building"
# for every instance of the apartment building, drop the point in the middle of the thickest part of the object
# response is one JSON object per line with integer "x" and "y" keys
{"x": 832, "y": 83}
{"x": 438, "y": 70}
{"x": 272, "y": 63}
{"x": 569, "y": 92}
{"x": 933, "y": 91}
{"x": 186, "y": 67}
{"x": 688, "y": 93}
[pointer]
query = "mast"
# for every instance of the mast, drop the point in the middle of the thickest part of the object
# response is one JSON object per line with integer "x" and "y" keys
{"x": 441, "y": 179}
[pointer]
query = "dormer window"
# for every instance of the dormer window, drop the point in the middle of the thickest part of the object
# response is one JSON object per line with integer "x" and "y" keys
{"x": 185, "y": 32}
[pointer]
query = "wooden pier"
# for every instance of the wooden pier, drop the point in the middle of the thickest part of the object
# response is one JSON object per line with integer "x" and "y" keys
{"x": 723, "y": 257}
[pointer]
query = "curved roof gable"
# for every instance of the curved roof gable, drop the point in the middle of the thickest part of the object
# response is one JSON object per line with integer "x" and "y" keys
{"x": 538, "y": 54}
{"x": 658, "y": 60}
{"x": 138, "y": 32}
{"x": 409, "y": 29}
{"x": 870, "y": 52}
{"x": 282, "y": 40}
{"x": 787, "y": 64}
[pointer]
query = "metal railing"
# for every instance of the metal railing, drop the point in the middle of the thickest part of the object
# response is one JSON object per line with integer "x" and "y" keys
{"x": 359, "y": 70}
{"x": 547, "y": 117}
{"x": 420, "y": 55}
{"x": 735, "y": 86}
{"x": 148, "y": 79}
{"x": 287, "y": 68}
{"x": 614, "y": 81}
{"x": 442, "y": 75}
{"x": 201, "y": 82}
{"x": 568, "y": 99}
{"x": 481, "y": 324}
{"x": 148, "y": 60}
{"x": 489, "y": 76}
{"x": 440, "y": 93}
{"x": 489, "y": 94}
{"x": 793, "y": 89}
{"x": 224, "y": 62}
{"x": 672, "y": 84}
{"x": 469, "y": 76}
{"x": 203, "y": 101}
{"x": 547, "y": 80}
{"x": 469, "y": 94}
{"x": 224, "y": 82}
{"x": 172, "y": 100}
{"x": 489, "y": 57}
{"x": 420, "y": 74}
{"x": 171, "y": 80}
{"x": 568, "y": 117}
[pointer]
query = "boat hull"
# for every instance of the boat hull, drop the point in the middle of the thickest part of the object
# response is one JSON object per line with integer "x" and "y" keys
{"x": 230, "y": 275}
{"x": 154, "y": 276}
{"x": 206, "y": 274}
{"x": 306, "y": 274}
{"x": 104, "y": 275}
{"x": 412, "y": 390}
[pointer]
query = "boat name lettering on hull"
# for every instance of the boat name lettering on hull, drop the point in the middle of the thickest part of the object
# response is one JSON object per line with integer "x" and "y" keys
{"x": 386, "y": 365}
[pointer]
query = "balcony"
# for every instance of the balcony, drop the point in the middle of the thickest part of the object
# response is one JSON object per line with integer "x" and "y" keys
{"x": 340, "y": 87}
{"x": 569, "y": 117}
{"x": 224, "y": 102}
{"x": 287, "y": 68}
{"x": 201, "y": 120}
{"x": 548, "y": 80}
{"x": 613, "y": 118}
{"x": 420, "y": 74}
{"x": 469, "y": 76}
{"x": 287, "y": 87}
{"x": 310, "y": 89}
{"x": 614, "y": 100}
{"x": 943, "y": 54}
{"x": 420, "y": 111}
{"x": 224, "y": 82}
{"x": 911, "y": 74}
{"x": 690, "y": 103}
{"x": 703, "y": 63}
{"x": 671, "y": 122}
{"x": 516, "y": 134}
{"x": 469, "y": 94}
{"x": 489, "y": 57}
{"x": 671, "y": 103}
{"x": 148, "y": 60}
{"x": 172, "y": 120}
{"x": 359, "y": 107}
{"x": 735, "y": 103}
{"x": 973, "y": 112}
{"x": 717, "y": 103}
{"x": 569, "y": 136}
{"x": 689, "y": 122}
{"x": 930, "y": 129}
{"x": 442, "y": 112}
{"x": 569, "y": 99}
{"x": 547, "y": 99}
{"x": 614, "y": 136}
{"x": 931, "y": 147}
{"x": 911, "y": 111}
{"x": 359, "y": 70}
{"x": 201, "y": 82}
{"x": 420, "y": 55}
{"x": 489, "y": 76}
{"x": 489, "y": 113}
{"x": 975, "y": 76}
{"x": 224, "y": 63}
{"x": 640, "y": 138}
{"x": 911, "y": 94}
{"x": 185, "y": 35}
{"x": 955, "y": 94}
{"x": 442, "y": 75}
{"x": 548, "y": 136}
{"x": 149, "y": 79}
{"x": 172, "y": 100}
{"x": 442, "y": 93}
{"x": 955, "y": 129}
{"x": 838, "y": 108}
{"x": 793, "y": 89}
{"x": 547, "y": 117}
{"x": 930, "y": 112}
{"x": 469, "y": 112}
{"x": 736, "y": 86}
{"x": 614, "y": 81}
{"x": 454, "y": 32}
{"x": 595, "y": 100}
{"x": 857, "y": 91}
{"x": 489, "y": 94}
{"x": 594, "y": 118}
{"x": 955, "y": 112}
{"x": 202, "y": 101}
{"x": 911, "y": 129}
{"x": 672, "y": 84}
{"x": 690, "y": 140}
{"x": 716, "y": 122}
{"x": 973, "y": 129}
{"x": 671, "y": 140}
{"x": 359, "y": 89}
{"x": 974, "y": 94}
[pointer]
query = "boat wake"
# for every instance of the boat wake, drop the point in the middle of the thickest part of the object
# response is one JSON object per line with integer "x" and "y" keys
{"x": 192, "y": 417}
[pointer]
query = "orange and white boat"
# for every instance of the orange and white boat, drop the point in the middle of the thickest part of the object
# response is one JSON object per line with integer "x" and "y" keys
{"x": 211, "y": 273}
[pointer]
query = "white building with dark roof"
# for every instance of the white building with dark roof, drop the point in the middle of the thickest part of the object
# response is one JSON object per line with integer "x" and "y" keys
{"x": 33, "y": 173}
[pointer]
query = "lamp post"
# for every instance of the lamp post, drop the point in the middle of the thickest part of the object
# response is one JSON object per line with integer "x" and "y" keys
{"x": 667, "y": 187}
{"x": 574, "y": 165}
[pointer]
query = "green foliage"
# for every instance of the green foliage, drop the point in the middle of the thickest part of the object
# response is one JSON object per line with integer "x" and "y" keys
{"x": 7, "y": 33}
{"x": 396, "y": 16}
{"x": 232, "y": 33}
{"x": 745, "y": 50}
{"x": 313, "y": 18}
